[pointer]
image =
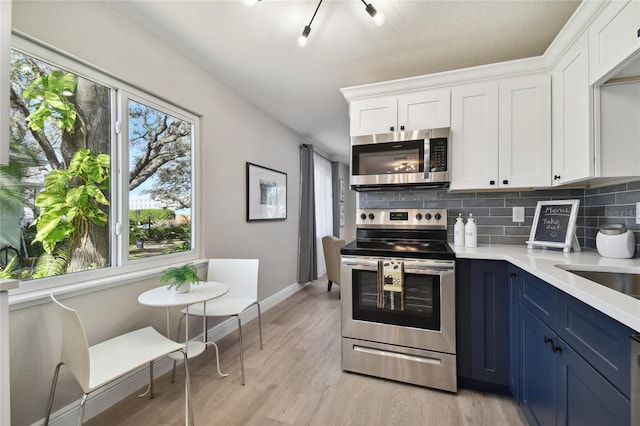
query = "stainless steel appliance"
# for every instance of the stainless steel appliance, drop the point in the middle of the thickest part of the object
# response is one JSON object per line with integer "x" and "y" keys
{"x": 409, "y": 158}
{"x": 398, "y": 298}
{"x": 635, "y": 379}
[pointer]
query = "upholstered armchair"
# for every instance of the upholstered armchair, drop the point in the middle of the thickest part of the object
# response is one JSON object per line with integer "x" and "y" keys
{"x": 331, "y": 247}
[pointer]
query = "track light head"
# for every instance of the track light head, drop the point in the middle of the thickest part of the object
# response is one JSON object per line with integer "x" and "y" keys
{"x": 302, "y": 40}
{"x": 378, "y": 17}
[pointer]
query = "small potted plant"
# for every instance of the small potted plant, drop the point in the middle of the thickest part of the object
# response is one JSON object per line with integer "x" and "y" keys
{"x": 182, "y": 276}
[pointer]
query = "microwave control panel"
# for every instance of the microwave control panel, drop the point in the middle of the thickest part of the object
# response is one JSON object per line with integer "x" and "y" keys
{"x": 438, "y": 155}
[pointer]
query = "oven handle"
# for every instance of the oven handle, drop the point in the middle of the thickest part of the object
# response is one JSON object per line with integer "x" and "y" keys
{"x": 417, "y": 266}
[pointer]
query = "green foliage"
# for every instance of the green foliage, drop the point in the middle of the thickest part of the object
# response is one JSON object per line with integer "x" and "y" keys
{"x": 48, "y": 98}
{"x": 180, "y": 275}
{"x": 156, "y": 215}
{"x": 51, "y": 264}
{"x": 70, "y": 200}
{"x": 8, "y": 271}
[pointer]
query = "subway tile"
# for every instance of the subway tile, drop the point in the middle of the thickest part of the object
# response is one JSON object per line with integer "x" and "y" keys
{"x": 405, "y": 204}
{"x": 484, "y": 202}
{"x": 627, "y": 197}
{"x": 601, "y": 200}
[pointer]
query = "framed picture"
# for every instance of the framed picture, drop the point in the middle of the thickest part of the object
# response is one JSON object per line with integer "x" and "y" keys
{"x": 342, "y": 190}
{"x": 266, "y": 193}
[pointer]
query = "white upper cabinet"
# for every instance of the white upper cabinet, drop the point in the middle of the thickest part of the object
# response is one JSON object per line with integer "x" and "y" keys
{"x": 474, "y": 136}
{"x": 425, "y": 109}
{"x": 614, "y": 36}
{"x": 571, "y": 106}
{"x": 618, "y": 130}
{"x": 501, "y": 134}
{"x": 524, "y": 137}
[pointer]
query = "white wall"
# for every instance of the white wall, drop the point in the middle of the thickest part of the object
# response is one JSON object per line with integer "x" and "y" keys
{"x": 233, "y": 132}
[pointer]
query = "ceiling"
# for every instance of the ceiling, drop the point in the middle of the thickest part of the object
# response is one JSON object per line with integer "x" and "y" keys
{"x": 254, "y": 50}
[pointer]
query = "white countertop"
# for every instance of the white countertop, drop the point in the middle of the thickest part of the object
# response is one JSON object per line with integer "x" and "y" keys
{"x": 541, "y": 263}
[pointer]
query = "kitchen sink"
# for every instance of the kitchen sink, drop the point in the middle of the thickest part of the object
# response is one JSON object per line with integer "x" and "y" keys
{"x": 627, "y": 283}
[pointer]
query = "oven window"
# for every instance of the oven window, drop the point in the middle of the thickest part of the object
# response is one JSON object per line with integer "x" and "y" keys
{"x": 388, "y": 158}
{"x": 420, "y": 307}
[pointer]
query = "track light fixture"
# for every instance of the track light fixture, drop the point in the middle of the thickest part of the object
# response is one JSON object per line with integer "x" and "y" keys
{"x": 378, "y": 18}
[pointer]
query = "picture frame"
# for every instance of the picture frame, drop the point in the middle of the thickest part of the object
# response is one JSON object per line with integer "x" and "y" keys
{"x": 342, "y": 190}
{"x": 554, "y": 225}
{"x": 266, "y": 193}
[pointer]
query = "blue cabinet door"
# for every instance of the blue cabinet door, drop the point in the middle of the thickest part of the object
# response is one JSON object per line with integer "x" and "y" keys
{"x": 490, "y": 322}
{"x": 586, "y": 397}
{"x": 514, "y": 354}
{"x": 538, "y": 377}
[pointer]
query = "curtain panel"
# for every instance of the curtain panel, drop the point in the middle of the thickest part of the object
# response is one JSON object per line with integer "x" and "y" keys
{"x": 307, "y": 253}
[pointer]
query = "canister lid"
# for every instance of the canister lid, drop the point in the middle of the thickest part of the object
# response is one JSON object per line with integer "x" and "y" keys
{"x": 613, "y": 229}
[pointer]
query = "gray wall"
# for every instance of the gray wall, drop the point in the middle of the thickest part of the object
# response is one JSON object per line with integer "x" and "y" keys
{"x": 493, "y": 210}
{"x": 233, "y": 131}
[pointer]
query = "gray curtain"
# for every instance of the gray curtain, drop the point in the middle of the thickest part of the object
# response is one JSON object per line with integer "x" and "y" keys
{"x": 335, "y": 185}
{"x": 307, "y": 253}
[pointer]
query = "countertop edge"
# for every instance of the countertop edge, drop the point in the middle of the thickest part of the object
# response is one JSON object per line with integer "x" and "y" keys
{"x": 542, "y": 264}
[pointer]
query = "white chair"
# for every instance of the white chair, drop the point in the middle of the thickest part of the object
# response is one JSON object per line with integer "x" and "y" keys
{"x": 97, "y": 365}
{"x": 241, "y": 275}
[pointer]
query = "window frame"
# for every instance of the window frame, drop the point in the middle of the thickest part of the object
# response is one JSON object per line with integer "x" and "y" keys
{"x": 121, "y": 269}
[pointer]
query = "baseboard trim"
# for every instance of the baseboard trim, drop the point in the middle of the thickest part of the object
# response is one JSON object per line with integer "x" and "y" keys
{"x": 115, "y": 392}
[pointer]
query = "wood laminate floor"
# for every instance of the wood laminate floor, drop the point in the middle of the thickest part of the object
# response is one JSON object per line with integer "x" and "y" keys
{"x": 297, "y": 380}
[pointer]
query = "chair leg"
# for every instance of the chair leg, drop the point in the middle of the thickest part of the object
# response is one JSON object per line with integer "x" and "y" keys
{"x": 259, "y": 324}
{"x": 187, "y": 384}
{"x": 173, "y": 371}
{"x": 83, "y": 402}
{"x": 241, "y": 354}
{"x": 329, "y": 285}
{"x": 151, "y": 394}
{"x": 53, "y": 391}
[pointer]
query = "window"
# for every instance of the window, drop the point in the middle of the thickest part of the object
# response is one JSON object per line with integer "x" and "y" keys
{"x": 324, "y": 205}
{"x": 85, "y": 191}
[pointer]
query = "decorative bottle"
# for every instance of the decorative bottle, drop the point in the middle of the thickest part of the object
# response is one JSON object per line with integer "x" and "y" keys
{"x": 458, "y": 232}
{"x": 470, "y": 233}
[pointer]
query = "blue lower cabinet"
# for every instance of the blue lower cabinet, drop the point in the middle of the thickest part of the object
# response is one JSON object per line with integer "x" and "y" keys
{"x": 482, "y": 295}
{"x": 514, "y": 352}
{"x": 557, "y": 384}
{"x": 585, "y": 397}
{"x": 538, "y": 374}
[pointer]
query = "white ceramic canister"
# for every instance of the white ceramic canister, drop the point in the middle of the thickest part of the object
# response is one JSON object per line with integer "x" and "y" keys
{"x": 615, "y": 240}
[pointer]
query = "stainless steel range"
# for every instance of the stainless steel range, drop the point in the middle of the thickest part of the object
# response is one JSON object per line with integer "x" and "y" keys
{"x": 398, "y": 298}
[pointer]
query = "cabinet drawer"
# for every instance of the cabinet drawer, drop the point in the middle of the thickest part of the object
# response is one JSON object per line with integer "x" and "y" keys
{"x": 539, "y": 297}
{"x": 599, "y": 339}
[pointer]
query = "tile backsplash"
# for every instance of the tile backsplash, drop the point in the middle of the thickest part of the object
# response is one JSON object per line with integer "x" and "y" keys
{"x": 493, "y": 210}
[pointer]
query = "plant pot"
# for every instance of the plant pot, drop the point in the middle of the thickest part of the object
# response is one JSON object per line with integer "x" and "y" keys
{"x": 184, "y": 288}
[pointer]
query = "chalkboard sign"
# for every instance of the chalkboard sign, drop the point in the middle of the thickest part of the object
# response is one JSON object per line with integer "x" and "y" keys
{"x": 554, "y": 225}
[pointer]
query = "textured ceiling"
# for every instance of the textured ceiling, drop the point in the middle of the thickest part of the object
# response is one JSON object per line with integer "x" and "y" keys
{"x": 254, "y": 50}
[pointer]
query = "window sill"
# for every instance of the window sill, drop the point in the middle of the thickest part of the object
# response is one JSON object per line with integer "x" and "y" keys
{"x": 28, "y": 299}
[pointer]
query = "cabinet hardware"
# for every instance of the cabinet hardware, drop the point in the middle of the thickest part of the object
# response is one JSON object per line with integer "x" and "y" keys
{"x": 392, "y": 128}
{"x": 556, "y": 177}
{"x": 513, "y": 275}
{"x": 505, "y": 182}
{"x": 556, "y": 349}
{"x": 492, "y": 182}
{"x": 401, "y": 127}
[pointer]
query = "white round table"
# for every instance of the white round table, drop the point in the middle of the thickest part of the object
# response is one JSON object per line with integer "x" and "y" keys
{"x": 201, "y": 292}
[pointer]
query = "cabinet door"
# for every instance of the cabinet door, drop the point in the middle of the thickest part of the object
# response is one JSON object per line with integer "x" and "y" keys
{"x": 374, "y": 115}
{"x": 514, "y": 353}
{"x": 613, "y": 37}
{"x": 489, "y": 322}
{"x": 427, "y": 109}
{"x": 572, "y": 146}
{"x": 474, "y": 136}
{"x": 538, "y": 390}
{"x": 525, "y": 132}
{"x": 585, "y": 396}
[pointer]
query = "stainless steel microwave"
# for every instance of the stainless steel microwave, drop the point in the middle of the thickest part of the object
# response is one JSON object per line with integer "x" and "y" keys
{"x": 419, "y": 157}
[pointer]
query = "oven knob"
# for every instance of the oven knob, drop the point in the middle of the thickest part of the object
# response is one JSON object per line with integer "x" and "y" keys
{"x": 371, "y": 216}
{"x": 363, "y": 216}
{"x": 438, "y": 216}
{"x": 427, "y": 216}
{"x": 419, "y": 216}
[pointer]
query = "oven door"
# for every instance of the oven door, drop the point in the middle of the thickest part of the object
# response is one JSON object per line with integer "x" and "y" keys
{"x": 420, "y": 315}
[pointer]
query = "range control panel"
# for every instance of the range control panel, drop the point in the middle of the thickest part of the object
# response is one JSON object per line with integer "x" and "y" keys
{"x": 402, "y": 218}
